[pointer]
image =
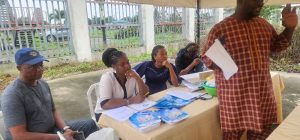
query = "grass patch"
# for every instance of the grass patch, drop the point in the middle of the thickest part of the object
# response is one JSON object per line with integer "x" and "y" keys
{"x": 5, "y": 79}
{"x": 284, "y": 65}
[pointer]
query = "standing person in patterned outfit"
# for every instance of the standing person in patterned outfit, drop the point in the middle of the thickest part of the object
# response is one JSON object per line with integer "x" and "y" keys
{"x": 246, "y": 100}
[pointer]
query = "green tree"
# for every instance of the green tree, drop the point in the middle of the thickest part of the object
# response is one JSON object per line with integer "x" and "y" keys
{"x": 271, "y": 14}
{"x": 57, "y": 15}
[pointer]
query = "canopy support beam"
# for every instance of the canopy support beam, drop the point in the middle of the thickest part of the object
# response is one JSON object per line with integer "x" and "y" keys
{"x": 198, "y": 23}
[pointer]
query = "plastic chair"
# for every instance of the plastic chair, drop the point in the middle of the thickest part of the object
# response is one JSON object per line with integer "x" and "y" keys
{"x": 94, "y": 88}
{"x": 2, "y": 126}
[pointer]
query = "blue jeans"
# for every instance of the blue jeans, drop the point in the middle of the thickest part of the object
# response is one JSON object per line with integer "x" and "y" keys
{"x": 86, "y": 126}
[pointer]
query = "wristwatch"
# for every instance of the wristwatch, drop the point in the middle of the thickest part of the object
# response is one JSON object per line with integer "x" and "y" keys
{"x": 65, "y": 128}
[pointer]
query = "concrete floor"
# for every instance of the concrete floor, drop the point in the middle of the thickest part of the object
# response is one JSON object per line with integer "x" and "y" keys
{"x": 291, "y": 94}
{"x": 69, "y": 94}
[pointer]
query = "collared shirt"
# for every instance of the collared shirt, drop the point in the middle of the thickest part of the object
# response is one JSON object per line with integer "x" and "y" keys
{"x": 110, "y": 88}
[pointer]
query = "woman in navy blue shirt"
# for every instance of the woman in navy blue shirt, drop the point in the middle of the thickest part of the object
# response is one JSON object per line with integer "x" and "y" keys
{"x": 158, "y": 71}
{"x": 188, "y": 60}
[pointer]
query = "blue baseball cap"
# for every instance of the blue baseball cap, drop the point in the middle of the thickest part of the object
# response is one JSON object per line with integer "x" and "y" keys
{"x": 28, "y": 56}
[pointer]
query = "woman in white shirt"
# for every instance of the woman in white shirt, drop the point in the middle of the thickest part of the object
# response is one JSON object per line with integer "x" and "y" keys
{"x": 120, "y": 87}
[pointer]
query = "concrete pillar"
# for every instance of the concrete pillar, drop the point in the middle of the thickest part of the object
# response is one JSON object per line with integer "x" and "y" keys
{"x": 79, "y": 30}
{"x": 147, "y": 27}
{"x": 188, "y": 28}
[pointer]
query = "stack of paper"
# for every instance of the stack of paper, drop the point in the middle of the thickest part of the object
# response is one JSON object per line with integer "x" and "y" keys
{"x": 182, "y": 94}
{"x": 124, "y": 112}
{"x": 142, "y": 106}
{"x": 193, "y": 77}
{"x": 171, "y": 116}
{"x": 191, "y": 86}
{"x": 145, "y": 121}
{"x": 169, "y": 101}
{"x": 120, "y": 114}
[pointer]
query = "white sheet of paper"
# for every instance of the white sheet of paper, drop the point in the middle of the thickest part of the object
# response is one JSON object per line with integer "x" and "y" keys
{"x": 182, "y": 94}
{"x": 198, "y": 94}
{"x": 221, "y": 58}
{"x": 191, "y": 86}
{"x": 190, "y": 76}
{"x": 142, "y": 106}
{"x": 120, "y": 114}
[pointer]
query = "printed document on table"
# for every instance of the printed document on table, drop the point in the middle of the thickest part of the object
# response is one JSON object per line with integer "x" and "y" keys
{"x": 120, "y": 114}
{"x": 190, "y": 76}
{"x": 221, "y": 58}
{"x": 191, "y": 86}
{"x": 142, "y": 106}
{"x": 182, "y": 94}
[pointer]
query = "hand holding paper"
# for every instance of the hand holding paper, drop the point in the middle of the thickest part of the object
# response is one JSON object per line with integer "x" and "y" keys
{"x": 222, "y": 59}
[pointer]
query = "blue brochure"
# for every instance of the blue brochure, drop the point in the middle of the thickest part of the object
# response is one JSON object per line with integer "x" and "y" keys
{"x": 169, "y": 101}
{"x": 171, "y": 116}
{"x": 145, "y": 121}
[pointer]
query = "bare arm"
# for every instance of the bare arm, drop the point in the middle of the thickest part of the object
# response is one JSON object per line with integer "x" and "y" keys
{"x": 20, "y": 132}
{"x": 114, "y": 103}
{"x": 173, "y": 75}
{"x": 190, "y": 67}
{"x": 289, "y": 21}
{"x": 143, "y": 88}
{"x": 60, "y": 124}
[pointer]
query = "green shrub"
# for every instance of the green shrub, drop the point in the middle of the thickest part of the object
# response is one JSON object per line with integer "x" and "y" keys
{"x": 288, "y": 59}
{"x": 292, "y": 53}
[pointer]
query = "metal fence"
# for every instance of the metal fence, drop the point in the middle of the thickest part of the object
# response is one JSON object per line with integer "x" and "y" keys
{"x": 113, "y": 24}
{"x": 44, "y": 25}
{"x": 39, "y": 24}
{"x": 207, "y": 20}
{"x": 167, "y": 24}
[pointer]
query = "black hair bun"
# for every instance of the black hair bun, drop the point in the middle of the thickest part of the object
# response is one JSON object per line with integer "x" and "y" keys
{"x": 106, "y": 56}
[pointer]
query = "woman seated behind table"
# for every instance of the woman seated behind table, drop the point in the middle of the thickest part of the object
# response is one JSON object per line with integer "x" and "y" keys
{"x": 158, "y": 71}
{"x": 120, "y": 87}
{"x": 188, "y": 61}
